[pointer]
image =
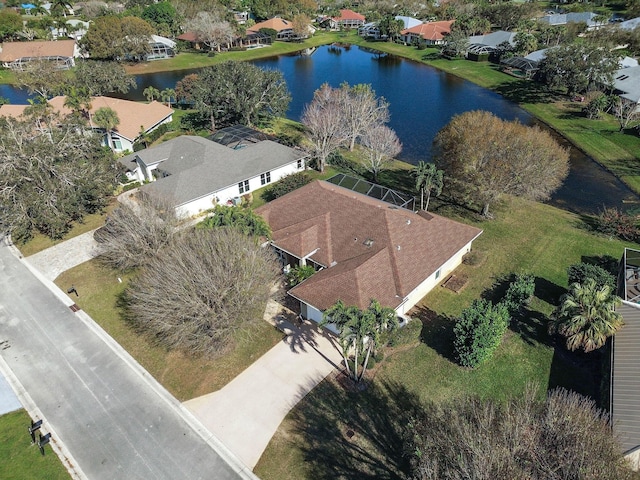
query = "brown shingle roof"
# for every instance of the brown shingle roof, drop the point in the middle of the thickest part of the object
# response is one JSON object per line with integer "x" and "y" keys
{"x": 14, "y": 50}
{"x": 132, "y": 115}
{"x": 370, "y": 248}
{"x": 278, "y": 24}
{"x": 431, "y": 30}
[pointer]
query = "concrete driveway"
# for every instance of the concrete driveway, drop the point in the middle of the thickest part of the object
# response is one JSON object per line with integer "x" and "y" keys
{"x": 246, "y": 413}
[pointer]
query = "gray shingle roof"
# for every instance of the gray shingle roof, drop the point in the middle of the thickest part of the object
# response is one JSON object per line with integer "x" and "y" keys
{"x": 627, "y": 81}
{"x": 493, "y": 39}
{"x": 197, "y": 167}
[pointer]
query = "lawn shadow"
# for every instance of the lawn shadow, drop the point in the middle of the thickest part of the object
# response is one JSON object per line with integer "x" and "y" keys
{"x": 531, "y": 326}
{"x": 525, "y": 91}
{"x": 397, "y": 179}
{"x": 437, "y": 331}
{"x": 609, "y": 263}
{"x": 548, "y": 291}
{"x": 352, "y": 432}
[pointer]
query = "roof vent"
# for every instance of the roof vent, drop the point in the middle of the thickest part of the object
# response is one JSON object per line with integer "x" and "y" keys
{"x": 408, "y": 222}
{"x": 368, "y": 242}
{"x": 398, "y": 247}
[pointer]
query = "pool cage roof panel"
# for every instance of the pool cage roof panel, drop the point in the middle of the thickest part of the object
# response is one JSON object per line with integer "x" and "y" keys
{"x": 521, "y": 63}
{"x": 480, "y": 49}
{"x": 401, "y": 200}
{"x": 238, "y": 136}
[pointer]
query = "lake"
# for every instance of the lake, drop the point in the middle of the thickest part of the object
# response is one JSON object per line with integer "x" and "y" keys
{"x": 422, "y": 100}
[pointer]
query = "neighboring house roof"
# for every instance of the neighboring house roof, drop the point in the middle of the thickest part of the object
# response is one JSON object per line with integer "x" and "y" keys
{"x": 132, "y": 115}
{"x": 197, "y": 167}
{"x": 493, "y": 39}
{"x": 431, "y": 30}
{"x": 278, "y": 24}
{"x": 630, "y": 24}
{"x": 575, "y": 17}
{"x": 14, "y": 50}
{"x": 537, "y": 56}
{"x": 370, "y": 249}
{"x": 627, "y": 81}
{"x": 164, "y": 40}
{"x": 627, "y": 62}
{"x": 189, "y": 37}
{"x": 408, "y": 21}
{"x": 347, "y": 14}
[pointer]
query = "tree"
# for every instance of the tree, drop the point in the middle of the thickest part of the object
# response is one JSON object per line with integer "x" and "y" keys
{"x": 381, "y": 319}
{"x": 211, "y": 30}
{"x": 161, "y": 13}
{"x": 167, "y": 94}
{"x": 301, "y": 24}
{"x": 115, "y": 38}
{"x": 51, "y": 175}
{"x": 10, "y": 24}
{"x": 506, "y": 16}
{"x": 78, "y": 101}
{"x": 457, "y": 44}
{"x": 151, "y": 93}
{"x": 107, "y": 119}
{"x": 136, "y": 231}
{"x": 238, "y": 92}
{"x": 42, "y": 78}
{"x": 586, "y": 316}
{"x": 485, "y": 157}
{"x": 341, "y": 315}
{"x": 197, "y": 294}
{"x": 564, "y": 436}
{"x": 186, "y": 87}
{"x": 580, "y": 272}
{"x": 323, "y": 120}
{"x": 362, "y": 110}
{"x": 578, "y": 67}
{"x": 381, "y": 146}
{"x": 100, "y": 78}
{"x": 428, "y": 179}
{"x": 624, "y": 110}
{"x": 390, "y": 27}
{"x": 243, "y": 219}
{"x": 60, "y": 8}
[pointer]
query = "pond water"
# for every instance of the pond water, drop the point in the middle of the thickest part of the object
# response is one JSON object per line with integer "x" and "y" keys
{"x": 422, "y": 100}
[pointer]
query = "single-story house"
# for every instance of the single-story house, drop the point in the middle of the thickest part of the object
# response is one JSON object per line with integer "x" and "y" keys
{"x": 526, "y": 66}
{"x": 588, "y": 18}
{"x": 371, "y": 30}
{"x": 626, "y": 83}
{"x": 280, "y": 25}
{"x": 430, "y": 33}
{"x": 16, "y": 55}
{"x": 73, "y": 28}
{"x": 624, "y": 400}
{"x": 197, "y": 173}
{"x": 134, "y": 117}
{"x": 484, "y": 45}
{"x": 349, "y": 19}
{"x": 362, "y": 248}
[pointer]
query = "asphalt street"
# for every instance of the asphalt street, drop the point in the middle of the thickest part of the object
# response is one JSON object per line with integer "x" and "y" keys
{"x": 115, "y": 419}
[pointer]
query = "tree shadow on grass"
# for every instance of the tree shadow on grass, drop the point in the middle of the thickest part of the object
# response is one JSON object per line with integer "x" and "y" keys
{"x": 548, "y": 291}
{"x": 531, "y": 326}
{"x": 525, "y": 91}
{"x": 353, "y": 433}
{"x": 437, "y": 331}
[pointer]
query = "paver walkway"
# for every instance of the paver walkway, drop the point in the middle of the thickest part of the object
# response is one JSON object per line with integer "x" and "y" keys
{"x": 246, "y": 413}
{"x": 65, "y": 255}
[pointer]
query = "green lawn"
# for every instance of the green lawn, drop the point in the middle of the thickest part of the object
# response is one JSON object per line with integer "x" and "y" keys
{"x": 530, "y": 237}
{"x": 20, "y": 459}
{"x": 183, "y": 375}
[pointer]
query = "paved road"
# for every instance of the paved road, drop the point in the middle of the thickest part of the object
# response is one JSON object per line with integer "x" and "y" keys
{"x": 247, "y": 412}
{"x": 114, "y": 418}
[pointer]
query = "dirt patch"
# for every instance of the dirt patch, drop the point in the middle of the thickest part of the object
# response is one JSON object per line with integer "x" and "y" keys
{"x": 456, "y": 283}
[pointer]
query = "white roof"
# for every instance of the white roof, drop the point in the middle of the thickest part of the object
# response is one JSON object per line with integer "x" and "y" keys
{"x": 167, "y": 41}
{"x": 630, "y": 24}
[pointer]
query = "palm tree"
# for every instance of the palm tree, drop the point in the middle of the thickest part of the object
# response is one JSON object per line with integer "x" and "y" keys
{"x": 167, "y": 94}
{"x": 78, "y": 101}
{"x": 379, "y": 319}
{"x": 428, "y": 178}
{"x": 586, "y": 316}
{"x": 151, "y": 93}
{"x": 60, "y": 7}
{"x": 342, "y": 317}
{"x": 107, "y": 119}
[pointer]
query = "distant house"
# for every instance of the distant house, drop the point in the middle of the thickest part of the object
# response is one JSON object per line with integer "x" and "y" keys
{"x": 362, "y": 248}
{"x": 431, "y": 33}
{"x": 17, "y": 55}
{"x": 624, "y": 402}
{"x": 588, "y": 18}
{"x": 631, "y": 24}
{"x": 484, "y": 45}
{"x": 349, "y": 19}
{"x": 371, "y": 29}
{"x": 626, "y": 83}
{"x": 161, "y": 48}
{"x": 280, "y": 25}
{"x": 134, "y": 118}
{"x": 197, "y": 173}
{"x": 75, "y": 29}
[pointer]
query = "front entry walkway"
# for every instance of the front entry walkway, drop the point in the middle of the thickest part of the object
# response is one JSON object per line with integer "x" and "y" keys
{"x": 246, "y": 413}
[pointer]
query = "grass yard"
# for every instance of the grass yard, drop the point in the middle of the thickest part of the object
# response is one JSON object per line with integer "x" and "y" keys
{"x": 20, "y": 459}
{"x": 339, "y": 433}
{"x": 184, "y": 376}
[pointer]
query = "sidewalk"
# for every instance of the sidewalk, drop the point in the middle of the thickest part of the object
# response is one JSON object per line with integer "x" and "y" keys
{"x": 52, "y": 261}
{"x": 246, "y": 413}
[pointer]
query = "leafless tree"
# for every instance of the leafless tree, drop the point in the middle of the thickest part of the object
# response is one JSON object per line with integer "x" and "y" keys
{"x": 301, "y": 24}
{"x": 136, "y": 231}
{"x": 211, "y": 30}
{"x": 198, "y": 293}
{"x": 381, "y": 146}
{"x": 625, "y": 111}
{"x": 323, "y": 118}
{"x": 362, "y": 110}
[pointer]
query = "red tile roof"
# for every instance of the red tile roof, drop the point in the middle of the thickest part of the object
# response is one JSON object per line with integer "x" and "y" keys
{"x": 188, "y": 37}
{"x": 347, "y": 14}
{"x": 370, "y": 248}
{"x": 431, "y": 31}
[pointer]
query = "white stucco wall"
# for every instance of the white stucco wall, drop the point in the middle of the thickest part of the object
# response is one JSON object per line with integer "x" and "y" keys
{"x": 634, "y": 458}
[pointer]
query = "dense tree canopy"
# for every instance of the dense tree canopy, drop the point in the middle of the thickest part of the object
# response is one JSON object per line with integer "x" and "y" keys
{"x": 238, "y": 92}
{"x": 51, "y": 175}
{"x": 115, "y": 38}
{"x": 101, "y": 78}
{"x": 163, "y": 15}
{"x": 485, "y": 157}
{"x": 10, "y": 24}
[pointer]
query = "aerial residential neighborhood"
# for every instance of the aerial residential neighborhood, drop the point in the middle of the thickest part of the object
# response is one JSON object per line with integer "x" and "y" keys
{"x": 319, "y": 240}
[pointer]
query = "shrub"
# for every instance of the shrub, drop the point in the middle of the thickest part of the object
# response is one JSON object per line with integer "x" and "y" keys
{"x": 285, "y": 185}
{"x": 478, "y": 332}
{"x": 299, "y": 274}
{"x": 409, "y": 334}
{"x": 580, "y": 272}
{"x": 519, "y": 292}
{"x": 616, "y": 223}
{"x": 243, "y": 219}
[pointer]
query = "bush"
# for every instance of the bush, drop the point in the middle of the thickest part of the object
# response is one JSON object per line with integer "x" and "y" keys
{"x": 299, "y": 274}
{"x": 616, "y": 223}
{"x": 519, "y": 293}
{"x": 243, "y": 219}
{"x": 478, "y": 332}
{"x": 337, "y": 160}
{"x": 580, "y": 272}
{"x": 285, "y": 185}
{"x": 409, "y": 334}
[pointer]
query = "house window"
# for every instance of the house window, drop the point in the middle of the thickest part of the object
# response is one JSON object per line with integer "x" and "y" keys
{"x": 265, "y": 178}
{"x": 299, "y": 163}
{"x": 243, "y": 186}
{"x": 116, "y": 142}
{"x": 438, "y": 274}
